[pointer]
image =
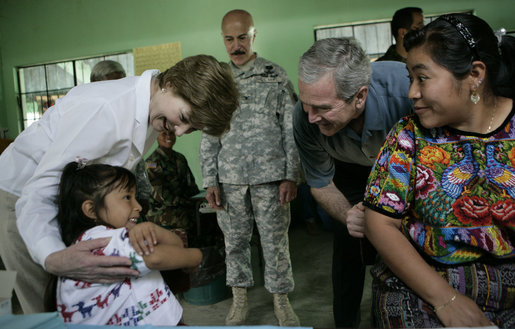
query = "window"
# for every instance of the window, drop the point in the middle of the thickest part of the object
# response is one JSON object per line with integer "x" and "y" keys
{"x": 374, "y": 36}
{"x": 41, "y": 85}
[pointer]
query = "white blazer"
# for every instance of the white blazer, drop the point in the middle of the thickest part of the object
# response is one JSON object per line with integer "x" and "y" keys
{"x": 104, "y": 122}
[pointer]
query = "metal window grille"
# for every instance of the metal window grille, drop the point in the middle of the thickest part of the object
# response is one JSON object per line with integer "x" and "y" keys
{"x": 374, "y": 36}
{"x": 41, "y": 85}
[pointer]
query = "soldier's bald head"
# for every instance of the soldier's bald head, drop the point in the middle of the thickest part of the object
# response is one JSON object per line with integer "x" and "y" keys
{"x": 238, "y": 16}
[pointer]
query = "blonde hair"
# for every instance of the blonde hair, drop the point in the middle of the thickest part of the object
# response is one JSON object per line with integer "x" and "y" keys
{"x": 209, "y": 87}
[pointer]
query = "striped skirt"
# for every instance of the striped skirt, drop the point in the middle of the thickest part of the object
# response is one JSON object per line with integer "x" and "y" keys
{"x": 492, "y": 287}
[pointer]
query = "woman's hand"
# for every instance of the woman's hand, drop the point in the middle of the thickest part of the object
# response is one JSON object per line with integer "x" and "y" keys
{"x": 78, "y": 262}
{"x": 143, "y": 238}
{"x": 462, "y": 312}
{"x": 407, "y": 264}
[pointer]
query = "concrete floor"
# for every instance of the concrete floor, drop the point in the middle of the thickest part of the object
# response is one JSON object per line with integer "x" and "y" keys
{"x": 311, "y": 300}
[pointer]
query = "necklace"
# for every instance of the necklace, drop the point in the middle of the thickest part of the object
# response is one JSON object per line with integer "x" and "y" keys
{"x": 492, "y": 118}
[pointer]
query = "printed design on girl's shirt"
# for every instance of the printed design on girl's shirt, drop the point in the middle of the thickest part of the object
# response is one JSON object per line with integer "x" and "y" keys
{"x": 93, "y": 305}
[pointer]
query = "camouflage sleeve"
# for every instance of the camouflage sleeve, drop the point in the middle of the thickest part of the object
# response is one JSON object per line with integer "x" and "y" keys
{"x": 143, "y": 187}
{"x": 209, "y": 148}
{"x": 287, "y": 102}
{"x": 191, "y": 187}
{"x": 172, "y": 180}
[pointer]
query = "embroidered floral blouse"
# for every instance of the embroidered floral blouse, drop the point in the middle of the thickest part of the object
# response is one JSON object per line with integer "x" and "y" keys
{"x": 453, "y": 191}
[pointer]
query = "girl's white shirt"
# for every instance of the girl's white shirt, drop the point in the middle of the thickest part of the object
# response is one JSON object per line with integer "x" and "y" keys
{"x": 135, "y": 301}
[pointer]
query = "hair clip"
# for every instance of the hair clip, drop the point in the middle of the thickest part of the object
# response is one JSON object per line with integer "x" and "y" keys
{"x": 81, "y": 162}
{"x": 463, "y": 31}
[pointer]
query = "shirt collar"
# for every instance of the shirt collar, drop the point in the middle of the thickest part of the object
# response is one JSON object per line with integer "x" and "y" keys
{"x": 244, "y": 69}
{"x": 374, "y": 121}
{"x": 144, "y": 135}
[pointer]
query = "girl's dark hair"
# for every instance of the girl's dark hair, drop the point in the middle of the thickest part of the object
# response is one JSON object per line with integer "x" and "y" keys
{"x": 92, "y": 182}
{"x": 454, "y": 41}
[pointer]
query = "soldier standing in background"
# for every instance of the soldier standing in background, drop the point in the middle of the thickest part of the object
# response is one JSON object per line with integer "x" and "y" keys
{"x": 250, "y": 172}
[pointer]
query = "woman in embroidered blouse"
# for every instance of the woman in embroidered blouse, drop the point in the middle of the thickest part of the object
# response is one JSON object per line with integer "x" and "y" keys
{"x": 440, "y": 207}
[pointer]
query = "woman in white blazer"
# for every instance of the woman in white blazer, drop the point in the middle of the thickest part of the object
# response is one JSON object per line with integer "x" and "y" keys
{"x": 104, "y": 122}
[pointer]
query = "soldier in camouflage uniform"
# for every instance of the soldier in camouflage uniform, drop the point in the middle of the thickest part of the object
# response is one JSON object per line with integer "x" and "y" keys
{"x": 173, "y": 185}
{"x": 169, "y": 200}
{"x": 250, "y": 172}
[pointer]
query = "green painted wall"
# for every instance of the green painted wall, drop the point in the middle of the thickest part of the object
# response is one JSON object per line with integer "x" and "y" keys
{"x": 36, "y": 31}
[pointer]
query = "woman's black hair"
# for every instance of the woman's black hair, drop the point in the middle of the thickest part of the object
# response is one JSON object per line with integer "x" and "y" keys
{"x": 454, "y": 41}
{"x": 80, "y": 183}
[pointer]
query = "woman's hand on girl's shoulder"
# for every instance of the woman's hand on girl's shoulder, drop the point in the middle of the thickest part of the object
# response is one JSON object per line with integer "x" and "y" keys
{"x": 143, "y": 237}
{"x": 79, "y": 263}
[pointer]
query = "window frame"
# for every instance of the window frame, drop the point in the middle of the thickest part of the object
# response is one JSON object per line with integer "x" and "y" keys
{"x": 358, "y": 24}
{"x": 44, "y": 97}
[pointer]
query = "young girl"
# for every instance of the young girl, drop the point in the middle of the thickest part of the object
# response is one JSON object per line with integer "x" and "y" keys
{"x": 97, "y": 201}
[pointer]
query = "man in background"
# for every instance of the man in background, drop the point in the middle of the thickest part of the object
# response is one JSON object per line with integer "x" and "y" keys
{"x": 250, "y": 172}
{"x": 173, "y": 185}
{"x": 403, "y": 21}
{"x": 107, "y": 70}
{"x": 170, "y": 203}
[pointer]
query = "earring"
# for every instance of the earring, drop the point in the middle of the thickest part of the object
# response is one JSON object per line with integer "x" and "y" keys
{"x": 474, "y": 97}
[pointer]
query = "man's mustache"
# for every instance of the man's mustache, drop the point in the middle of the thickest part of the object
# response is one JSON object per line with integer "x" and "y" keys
{"x": 238, "y": 52}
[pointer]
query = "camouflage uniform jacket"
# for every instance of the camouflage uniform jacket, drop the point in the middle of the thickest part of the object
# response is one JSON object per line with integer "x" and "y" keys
{"x": 143, "y": 187}
{"x": 259, "y": 148}
{"x": 173, "y": 186}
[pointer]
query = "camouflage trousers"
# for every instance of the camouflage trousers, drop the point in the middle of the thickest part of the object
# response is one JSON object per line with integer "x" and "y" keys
{"x": 242, "y": 205}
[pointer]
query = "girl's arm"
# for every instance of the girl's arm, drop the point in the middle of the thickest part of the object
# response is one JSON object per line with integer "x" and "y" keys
{"x": 167, "y": 249}
{"x": 171, "y": 257}
{"x": 406, "y": 263}
{"x": 145, "y": 236}
{"x": 165, "y": 236}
